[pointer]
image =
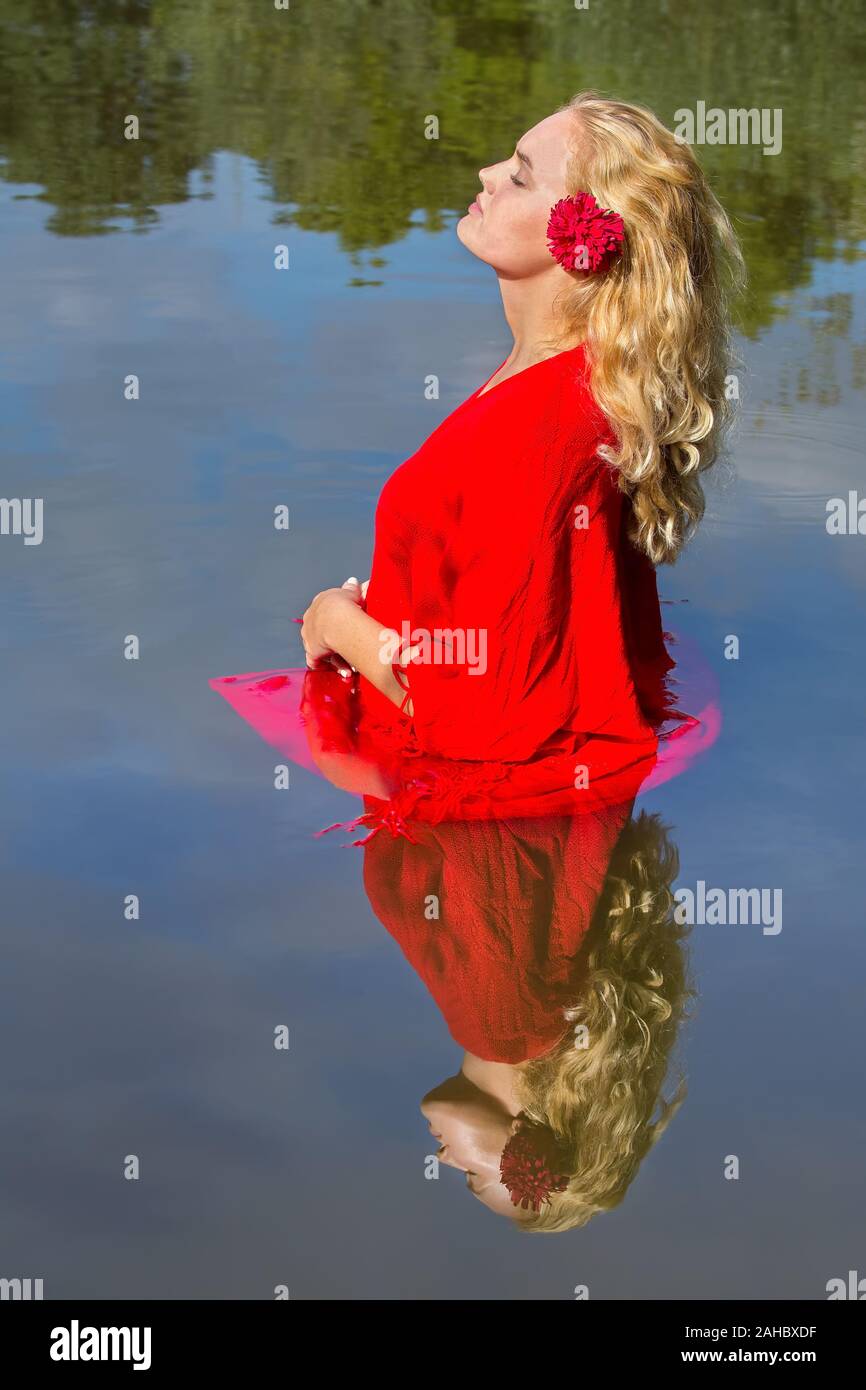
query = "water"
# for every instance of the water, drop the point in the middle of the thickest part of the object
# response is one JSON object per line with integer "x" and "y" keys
{"x": 155, "y": 1038}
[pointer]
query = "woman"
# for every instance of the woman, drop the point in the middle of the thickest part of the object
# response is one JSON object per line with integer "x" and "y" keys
{"x": 505, "y": 664}
{"x": 511, "y": 613}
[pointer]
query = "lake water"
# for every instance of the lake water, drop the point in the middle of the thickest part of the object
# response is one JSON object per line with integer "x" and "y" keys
{"x": 155, "y": 1037}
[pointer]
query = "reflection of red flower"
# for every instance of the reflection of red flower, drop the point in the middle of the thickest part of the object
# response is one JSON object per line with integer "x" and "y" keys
{"x": 583, "y": 236}
{"x": 532, "y": 1165}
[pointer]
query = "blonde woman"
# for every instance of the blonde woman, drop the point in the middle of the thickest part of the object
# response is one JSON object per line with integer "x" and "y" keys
{"x": 511, "y": 615}
{"x": 508, "y": 648}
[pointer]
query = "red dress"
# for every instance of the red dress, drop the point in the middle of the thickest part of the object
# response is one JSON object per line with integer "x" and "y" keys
{"x": 506, "y": 522}
{"x": 501, "y": 549}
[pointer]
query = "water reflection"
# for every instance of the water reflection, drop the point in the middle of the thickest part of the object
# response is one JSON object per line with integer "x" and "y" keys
{"x": 551, "y": 950}
{"x": 124, "y": 780}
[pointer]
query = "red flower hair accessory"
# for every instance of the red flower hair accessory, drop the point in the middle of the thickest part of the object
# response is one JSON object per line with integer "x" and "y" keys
{"x": 533, "y": 1164}
{"x": 583, "y": 236}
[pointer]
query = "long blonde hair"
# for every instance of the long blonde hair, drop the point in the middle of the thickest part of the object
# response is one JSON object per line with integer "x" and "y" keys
{"x": 604, "y": 1101}
{"x": 656, "y": 325}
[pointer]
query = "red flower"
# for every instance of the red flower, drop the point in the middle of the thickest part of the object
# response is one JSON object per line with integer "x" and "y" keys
{"x": 532, "y": 1165}
{"x": 583, "y": 236}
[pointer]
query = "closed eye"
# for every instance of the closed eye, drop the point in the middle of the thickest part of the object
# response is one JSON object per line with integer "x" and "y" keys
{"x": 519, "y": 182}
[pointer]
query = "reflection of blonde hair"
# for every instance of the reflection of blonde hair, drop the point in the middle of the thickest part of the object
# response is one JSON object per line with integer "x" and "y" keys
{"x": 600, "y": 1099}
{"x": 656, "y": 323}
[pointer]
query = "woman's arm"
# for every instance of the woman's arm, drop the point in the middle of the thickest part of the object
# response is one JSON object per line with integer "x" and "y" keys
{"x": 335, "y": 623}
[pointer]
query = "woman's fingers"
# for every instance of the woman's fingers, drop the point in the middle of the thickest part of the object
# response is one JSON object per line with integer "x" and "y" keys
{"x": 318, "y": 658}
{"x": 359, "y": 591}
{"x": 331, "y": 662}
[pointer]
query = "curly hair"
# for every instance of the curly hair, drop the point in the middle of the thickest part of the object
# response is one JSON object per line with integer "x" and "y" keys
{"x": 656, "y": 325}
{"x": 604, "y": 1101}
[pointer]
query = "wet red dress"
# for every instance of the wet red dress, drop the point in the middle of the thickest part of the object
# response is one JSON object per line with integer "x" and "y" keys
{"x": 501, "y": 552}
{"x": 506, "y": 523}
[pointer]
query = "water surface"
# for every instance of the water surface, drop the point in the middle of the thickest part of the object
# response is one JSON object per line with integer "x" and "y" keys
{"x": 306, "y": 388}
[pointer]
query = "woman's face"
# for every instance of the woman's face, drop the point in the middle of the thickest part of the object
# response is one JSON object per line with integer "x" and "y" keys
{"x": 507, "y": 225}
{"x": 472, "y": 1128}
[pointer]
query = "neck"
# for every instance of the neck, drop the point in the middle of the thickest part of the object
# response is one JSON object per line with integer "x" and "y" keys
{"x": 536, "y": 327}
{"x": 496, "y": 1079}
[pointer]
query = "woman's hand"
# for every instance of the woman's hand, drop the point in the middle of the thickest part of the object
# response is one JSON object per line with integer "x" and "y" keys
{"x": 318, "y": 621}
{"x": 338, "y": 631}
{"x": 318, "y": 653}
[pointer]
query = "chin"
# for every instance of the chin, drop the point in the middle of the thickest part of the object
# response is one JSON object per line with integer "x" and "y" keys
{"x": 465, "y": 235}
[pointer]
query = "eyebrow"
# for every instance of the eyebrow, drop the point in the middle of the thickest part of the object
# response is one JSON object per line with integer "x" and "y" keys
{"x": 524, "y": 158}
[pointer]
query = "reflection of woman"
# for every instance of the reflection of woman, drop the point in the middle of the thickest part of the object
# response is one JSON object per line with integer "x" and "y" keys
{"x": 511, "y": 611}
{"x": 551, "y": 949}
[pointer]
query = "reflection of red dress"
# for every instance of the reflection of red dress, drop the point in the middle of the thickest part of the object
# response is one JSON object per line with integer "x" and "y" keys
{"x": 493, "y": 915}
{"x": 503, "y": 543}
